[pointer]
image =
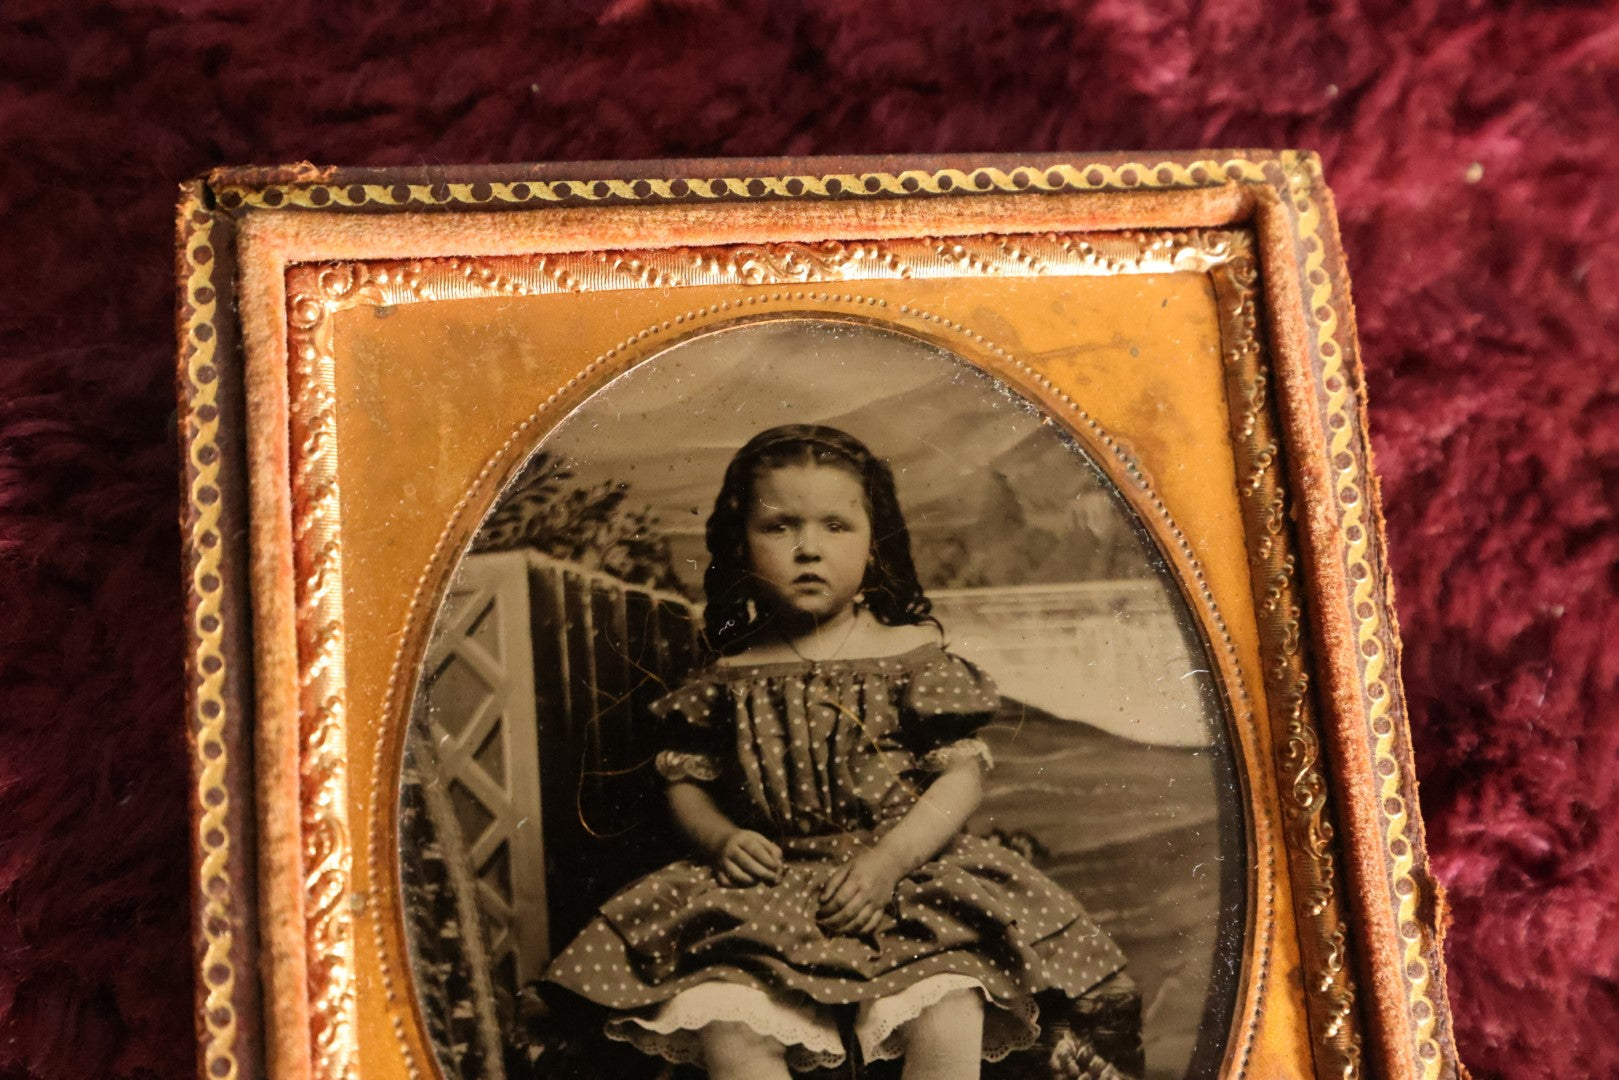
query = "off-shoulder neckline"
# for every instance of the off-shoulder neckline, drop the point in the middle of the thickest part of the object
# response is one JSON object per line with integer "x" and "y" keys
{"x": 900, "y": 661}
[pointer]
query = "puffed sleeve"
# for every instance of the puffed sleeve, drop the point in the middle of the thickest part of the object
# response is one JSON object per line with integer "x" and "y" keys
{"x": 690, "y": 736}
{"x": 946, "y": 702}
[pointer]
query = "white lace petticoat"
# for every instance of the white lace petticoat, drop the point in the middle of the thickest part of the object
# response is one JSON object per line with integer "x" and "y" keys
{"x": 807, "y": 1030}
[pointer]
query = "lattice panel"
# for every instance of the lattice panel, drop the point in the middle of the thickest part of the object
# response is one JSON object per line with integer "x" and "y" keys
{"x": 481, "y": 714}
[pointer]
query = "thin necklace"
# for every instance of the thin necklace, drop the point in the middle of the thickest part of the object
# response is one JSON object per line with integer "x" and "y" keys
{"x": 815, "y": 664}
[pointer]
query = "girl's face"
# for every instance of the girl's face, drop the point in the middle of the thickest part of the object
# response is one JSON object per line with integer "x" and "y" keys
{"x": 808, "y": 540}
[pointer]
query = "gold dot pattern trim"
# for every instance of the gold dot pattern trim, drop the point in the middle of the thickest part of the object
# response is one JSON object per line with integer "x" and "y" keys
{"x": 199, "y": 421}
{"x": 1350, "y": 488}
{"x": 1064, "y": 177}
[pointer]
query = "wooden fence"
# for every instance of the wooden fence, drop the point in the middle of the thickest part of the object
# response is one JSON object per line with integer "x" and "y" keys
{"x": 535, "y": 687}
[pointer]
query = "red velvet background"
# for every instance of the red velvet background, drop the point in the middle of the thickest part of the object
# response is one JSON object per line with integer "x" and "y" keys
{"x": 1472, "y": 148}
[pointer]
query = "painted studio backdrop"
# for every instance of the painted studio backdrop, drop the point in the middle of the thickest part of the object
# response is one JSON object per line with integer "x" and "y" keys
{"x": 529, "y": 794}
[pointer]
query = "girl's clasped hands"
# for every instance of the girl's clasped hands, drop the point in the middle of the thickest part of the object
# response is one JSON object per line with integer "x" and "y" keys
{"x": 852, "y": 899}
{"x": 857, "y": 893}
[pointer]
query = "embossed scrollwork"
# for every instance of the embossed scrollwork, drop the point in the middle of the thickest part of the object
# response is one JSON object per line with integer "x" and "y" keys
{"x": 1329, "y": 990}
{"x": 317, "y": 558}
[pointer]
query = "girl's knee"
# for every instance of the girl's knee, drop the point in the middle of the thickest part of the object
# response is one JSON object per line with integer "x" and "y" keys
{"x": 958, "y": 1006}
{"x": 945, "y": 1040}
{"x": 730, "y": 1048}
{"x": 958, "y": 1017}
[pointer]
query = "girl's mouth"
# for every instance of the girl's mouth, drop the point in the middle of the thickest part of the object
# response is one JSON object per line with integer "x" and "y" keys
{"x": 809, "y": 579}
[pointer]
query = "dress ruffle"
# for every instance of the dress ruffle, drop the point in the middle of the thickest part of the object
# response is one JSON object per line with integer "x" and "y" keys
{"x": 882, "y": 1024}
{"x": 941, "y": 758}
{"x": 675, "y": 765}
{"x": 674, "y": 1031}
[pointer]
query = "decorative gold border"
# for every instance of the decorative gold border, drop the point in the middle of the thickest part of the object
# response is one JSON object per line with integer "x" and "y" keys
{"x": 323, "y": 769}
{"x": 1282, "y": 193}
{"x": 1354, "y": 492}
{"x": 205, "y": 611}
{"x": 1329, "y": 987}
{"x": 319, "y": 292}
{"x": 319, "y": 192}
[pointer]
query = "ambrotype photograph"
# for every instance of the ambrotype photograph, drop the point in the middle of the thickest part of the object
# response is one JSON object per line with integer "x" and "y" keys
{"x": 810, "y": 704}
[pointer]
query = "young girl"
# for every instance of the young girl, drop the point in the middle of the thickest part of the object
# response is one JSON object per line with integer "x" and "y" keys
{"x": 823, "y": 766}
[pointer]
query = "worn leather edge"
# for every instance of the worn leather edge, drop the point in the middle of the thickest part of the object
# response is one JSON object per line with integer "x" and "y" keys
{"x": 539, "y": 230}
{"x": 260, "y": 307}
{"x": 1433, "y": 913}
{"x": 1323, "y": 543}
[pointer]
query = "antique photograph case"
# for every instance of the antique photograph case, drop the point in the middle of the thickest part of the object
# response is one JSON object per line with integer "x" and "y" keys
{"x": 854, "y": 612}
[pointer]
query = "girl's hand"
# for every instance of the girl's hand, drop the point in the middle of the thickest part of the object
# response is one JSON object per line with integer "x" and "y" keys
{"x": 857, "y": 893}
{"x": 746, "y": 858}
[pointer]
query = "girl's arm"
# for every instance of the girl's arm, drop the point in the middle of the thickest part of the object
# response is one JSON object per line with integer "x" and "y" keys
{"x": 740, "y": 855}
{"x": 937, "y": 817}
{"x": 855, "y": 895}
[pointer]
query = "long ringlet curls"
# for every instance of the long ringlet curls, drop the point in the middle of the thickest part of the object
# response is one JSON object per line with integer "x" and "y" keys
{"x": 891, "y": 590}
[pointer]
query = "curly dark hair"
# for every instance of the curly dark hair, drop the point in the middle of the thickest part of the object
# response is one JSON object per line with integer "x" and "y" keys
{"x": 892, "y": 592}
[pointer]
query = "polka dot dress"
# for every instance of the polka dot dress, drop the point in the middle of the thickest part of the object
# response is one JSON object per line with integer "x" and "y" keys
{"x": 823, "y": 758}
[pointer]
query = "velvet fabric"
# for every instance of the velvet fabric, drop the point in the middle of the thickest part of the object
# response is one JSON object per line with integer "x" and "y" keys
{"x": 1472, "y": 148}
